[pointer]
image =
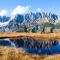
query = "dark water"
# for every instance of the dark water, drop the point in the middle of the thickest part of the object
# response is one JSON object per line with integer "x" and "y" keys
{"x": 52, "y": 50}
{"x": 6, "y": 42}
{"x": 30, "y": 47}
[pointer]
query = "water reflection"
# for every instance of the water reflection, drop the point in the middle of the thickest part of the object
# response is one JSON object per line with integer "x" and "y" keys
{"x": 33, "y": 46}
{"x": 6, "y": 42}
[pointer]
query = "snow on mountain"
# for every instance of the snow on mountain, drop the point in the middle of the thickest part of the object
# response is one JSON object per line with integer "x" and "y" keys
{"x": 5, "y": 23}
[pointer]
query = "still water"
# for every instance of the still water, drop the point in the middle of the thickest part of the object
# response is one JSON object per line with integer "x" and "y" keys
{"x": 33, "y": 46}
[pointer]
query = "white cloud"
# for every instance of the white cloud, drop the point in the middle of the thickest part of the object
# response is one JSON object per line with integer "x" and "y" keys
{"x": 3, "y": 12}
{"x": 39, "y": 10}
{"x": 20, "y": 10}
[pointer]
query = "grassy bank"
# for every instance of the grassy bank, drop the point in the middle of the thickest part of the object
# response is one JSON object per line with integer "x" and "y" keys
{"x": 9, "y": 53}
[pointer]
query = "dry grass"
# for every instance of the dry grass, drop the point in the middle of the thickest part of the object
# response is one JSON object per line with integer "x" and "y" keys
{"x": 16, "y": 54}
{"x": 33, "y": 35}
{"x": 7, "y": 53}
{"x": 53, "y": 57}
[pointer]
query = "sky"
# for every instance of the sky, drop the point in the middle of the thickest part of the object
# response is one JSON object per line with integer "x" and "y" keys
{"x": 13, "y": 7}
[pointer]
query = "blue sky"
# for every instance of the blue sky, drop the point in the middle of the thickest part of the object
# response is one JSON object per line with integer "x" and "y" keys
{"x": 34, "y": 5}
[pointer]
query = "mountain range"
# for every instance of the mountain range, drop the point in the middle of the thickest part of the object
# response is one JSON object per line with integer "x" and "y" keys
{"x": 29, "y": 19}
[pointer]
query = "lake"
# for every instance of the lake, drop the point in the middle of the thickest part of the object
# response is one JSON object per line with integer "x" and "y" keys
{"x": 34, "y": 49}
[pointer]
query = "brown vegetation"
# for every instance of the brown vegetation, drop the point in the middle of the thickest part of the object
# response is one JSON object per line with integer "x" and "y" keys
{"x": 33, "y": 35}
{"x": 7, "y": 53}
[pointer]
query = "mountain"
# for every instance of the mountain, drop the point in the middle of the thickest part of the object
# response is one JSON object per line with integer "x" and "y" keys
{"x": 4, "y": 18}
{"x": 29, "y": 20}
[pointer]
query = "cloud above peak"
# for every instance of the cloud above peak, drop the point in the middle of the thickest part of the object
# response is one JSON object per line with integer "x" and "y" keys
{"x": 3, "y": 12}
{"x": 20, "y": 10}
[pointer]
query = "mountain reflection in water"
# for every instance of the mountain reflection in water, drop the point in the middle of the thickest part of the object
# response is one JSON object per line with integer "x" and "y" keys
{"x": 33, "y": 46}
